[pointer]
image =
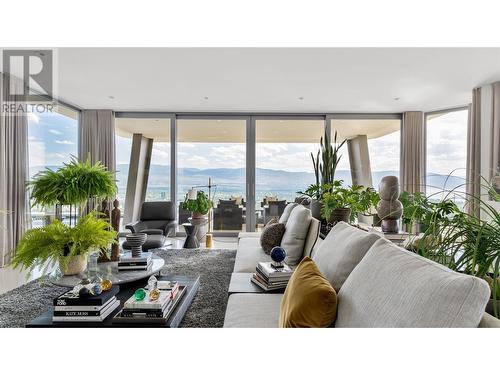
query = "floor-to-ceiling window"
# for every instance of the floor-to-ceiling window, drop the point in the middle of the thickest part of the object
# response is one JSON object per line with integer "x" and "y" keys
{"x": 446, "y": 154}
{"x": 283, "y": 162}
{"x": 375, "y": 147}
{"x": 214, "y": 150}
{"x": 52, "y": 140}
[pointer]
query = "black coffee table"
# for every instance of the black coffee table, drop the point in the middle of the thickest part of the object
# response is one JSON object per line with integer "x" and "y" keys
{"x": 126, "y": 290}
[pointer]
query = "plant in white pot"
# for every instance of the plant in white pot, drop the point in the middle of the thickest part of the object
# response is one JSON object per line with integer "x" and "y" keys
{"x": 58, "y": 243}
{"x": 199, "y": 206}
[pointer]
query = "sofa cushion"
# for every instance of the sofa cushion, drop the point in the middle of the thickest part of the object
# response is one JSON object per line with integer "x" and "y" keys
{"x": 392, "y": 287}
{"x": 286, "y": 213}
{"x": 309, "y": 300}
{"x": 271, "y": 236}
{"x": 249, "y": 254}
{"x": 295, "y": 235}
{"x": 341, "y": 251}
{"x": 248, "y": 310}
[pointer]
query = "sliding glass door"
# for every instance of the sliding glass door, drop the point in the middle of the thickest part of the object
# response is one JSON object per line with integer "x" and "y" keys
{"x": 211, "y": 157}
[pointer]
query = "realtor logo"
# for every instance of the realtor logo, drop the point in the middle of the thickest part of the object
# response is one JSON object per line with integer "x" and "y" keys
{"x": 35, "y": 68}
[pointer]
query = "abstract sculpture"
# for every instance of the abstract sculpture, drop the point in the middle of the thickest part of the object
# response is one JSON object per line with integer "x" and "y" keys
{"x": 389, "y": 209}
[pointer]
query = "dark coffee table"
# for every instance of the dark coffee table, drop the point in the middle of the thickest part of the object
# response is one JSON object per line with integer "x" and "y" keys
{"x": 126, "y": 290}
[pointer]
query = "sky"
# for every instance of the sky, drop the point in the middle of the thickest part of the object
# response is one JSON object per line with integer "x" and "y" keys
{"x": 53, "y": 137}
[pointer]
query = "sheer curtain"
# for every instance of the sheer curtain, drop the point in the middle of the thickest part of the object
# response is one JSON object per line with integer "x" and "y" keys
{"x": 473, "y": 169}
{"x": 97, "y": 137}
{"x": 495, "y": 130}
{"x": 413, "y": 152}
{"x": 13, "y": 173}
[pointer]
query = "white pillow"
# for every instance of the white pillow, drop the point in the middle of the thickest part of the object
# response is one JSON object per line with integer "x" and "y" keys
{"x": 341, "y": 251}
{"x": 286, "y": 213}
{"x": 296, "y": 230}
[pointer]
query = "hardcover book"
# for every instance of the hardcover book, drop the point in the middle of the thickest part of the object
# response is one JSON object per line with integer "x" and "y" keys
{"x": 99, "y": 318}
{"x": 71, "y": 299}
{"x": 269, "y": 271}
{"x": 82, "y": 310}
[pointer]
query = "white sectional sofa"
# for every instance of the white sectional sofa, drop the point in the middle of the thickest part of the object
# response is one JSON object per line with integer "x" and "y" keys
{"x": 378, "y": 285}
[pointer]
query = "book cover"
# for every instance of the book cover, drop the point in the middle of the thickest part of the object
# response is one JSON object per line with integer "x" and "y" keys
{"x": 282, "y": 277}
{"x": 162, "y": 300}
{"x": 264, "y": 281}
{"x": 270, "y": 271}
{"x": 70, "y": 299}
{"x": 99, "y": 318}
{"x": 127, "y": 257}
{"x": 90, "y": 310}
{"x": 265, "y": 287}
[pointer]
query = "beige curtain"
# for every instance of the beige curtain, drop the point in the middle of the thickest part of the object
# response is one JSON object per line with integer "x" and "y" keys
{"x": 97, "y": 137}
{"x": 13, "y": 173}
{"x": 473, "y": 169}
{"x": 495, "y": 131}
{"x": 412, "y": 169}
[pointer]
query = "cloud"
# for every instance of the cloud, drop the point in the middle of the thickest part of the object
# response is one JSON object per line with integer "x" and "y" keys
{"x": 64, "y": 142}
{"x": 54, "y": 131}
{"x": 33, "y": 118}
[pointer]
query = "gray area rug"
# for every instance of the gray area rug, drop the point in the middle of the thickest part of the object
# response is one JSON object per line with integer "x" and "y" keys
{"x": 25, "y": 303}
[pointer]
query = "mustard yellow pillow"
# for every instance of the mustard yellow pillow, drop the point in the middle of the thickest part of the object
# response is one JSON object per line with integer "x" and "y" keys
{"x": 309, "y": 300}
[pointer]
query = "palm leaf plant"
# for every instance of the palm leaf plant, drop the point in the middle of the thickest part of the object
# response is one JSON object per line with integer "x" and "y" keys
{"x": 58, "y": 243}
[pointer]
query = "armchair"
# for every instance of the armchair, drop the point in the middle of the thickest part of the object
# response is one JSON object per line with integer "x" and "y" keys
{"x": 156, "y": 218}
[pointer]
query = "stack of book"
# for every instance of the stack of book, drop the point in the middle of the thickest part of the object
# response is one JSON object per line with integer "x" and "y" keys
{"x": 270, "y": 278}
{"x": 129, "y": 263}
{"x": 147, "y": 311}
{"x": 69, "y": 307}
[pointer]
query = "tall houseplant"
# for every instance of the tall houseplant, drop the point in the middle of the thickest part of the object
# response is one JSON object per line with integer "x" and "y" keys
{"x": 199, "y": 208}
{"x": 58, "y": 243}
{"x": 325, "y": 165}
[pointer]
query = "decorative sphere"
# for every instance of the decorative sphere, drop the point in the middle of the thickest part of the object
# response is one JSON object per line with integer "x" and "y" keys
{"x": 106, "y": 285}
{"x": 96, "y": 289}
{"x": 84, "y": 292}
{"x": 278, "y": 254}
{"x": 139, "y": 294}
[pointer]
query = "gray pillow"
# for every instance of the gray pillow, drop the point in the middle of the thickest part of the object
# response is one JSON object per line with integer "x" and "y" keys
{"x": 271, "y": 236}
{"x": 286, "y": 212}
{"x": 341, "y": 251}
{"x": 393, "y": 287}
{"x": 297, "y": 227}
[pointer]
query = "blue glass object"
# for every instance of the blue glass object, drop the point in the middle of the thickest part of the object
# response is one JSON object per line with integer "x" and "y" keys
{"x": 96, "y": 289}
{"x": 278, "y": 254}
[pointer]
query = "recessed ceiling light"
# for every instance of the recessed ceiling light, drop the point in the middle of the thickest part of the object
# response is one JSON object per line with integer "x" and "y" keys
{"x": 301, "y": 98}
{"x": 396, "y": 99}
{"x": 206, "y": 98}
{"x": 111, "y": 97}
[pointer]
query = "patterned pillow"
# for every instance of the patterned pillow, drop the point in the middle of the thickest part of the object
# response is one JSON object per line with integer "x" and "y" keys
{"x": 271, "y": 236}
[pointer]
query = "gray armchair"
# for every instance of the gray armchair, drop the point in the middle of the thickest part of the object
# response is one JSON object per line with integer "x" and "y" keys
{"x": 156, "y": 218}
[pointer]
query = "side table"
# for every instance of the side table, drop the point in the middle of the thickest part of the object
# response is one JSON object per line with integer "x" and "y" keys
{"x": 191, "y": 241}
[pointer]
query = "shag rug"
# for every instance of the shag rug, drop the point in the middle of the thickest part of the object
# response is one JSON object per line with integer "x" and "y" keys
{"x": 21, "y": 305}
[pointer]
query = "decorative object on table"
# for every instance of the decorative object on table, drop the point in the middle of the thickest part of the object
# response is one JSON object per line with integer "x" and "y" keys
{"x": 139, "y": 294}
{"x": 83, "y": 304}
{"x": 140, "y": 262}
{"x": 135, "y": 241}
{"x": 104, "y": 254}
{"x": 269, "y": 278}
{"x": 115, "y": 223}
{"x": 79, "y": 185}
{"x": 341, "y": 203}
{"x": 278, "y": 255}
{"x": 156, "y": 308}
{"x": 106, "y": 285}
{"x": 152, "y": 282}
{"x": 209, "y": 241}
{"x": 199, "y": 204}
{"x": 191, "y": 241}
{"x": 44, "y": 247}
{"x": 389, "y": 209}
{"x": 271, "y": 236}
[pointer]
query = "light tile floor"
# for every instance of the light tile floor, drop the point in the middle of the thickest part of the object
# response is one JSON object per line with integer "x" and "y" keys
{"x": 11, "y": 279}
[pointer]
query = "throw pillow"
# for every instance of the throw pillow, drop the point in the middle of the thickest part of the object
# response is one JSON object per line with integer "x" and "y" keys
{"x": 296, "y": 229}
{"x": 273, "y": 220}
{"x": 286, "y": 212}
{"x": 341, "y": 251}
{"x": 309, "y": 300}
{"x": 271, "y": 236}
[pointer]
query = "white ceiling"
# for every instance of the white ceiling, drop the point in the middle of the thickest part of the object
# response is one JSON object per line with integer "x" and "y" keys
{"x": 273, "y": 79}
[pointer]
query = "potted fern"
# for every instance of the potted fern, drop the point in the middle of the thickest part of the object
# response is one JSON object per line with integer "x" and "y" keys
{"x": 61, "y": 244}
{"x": 76, "y": 184}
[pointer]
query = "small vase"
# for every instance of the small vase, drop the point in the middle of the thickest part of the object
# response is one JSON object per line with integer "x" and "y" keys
{"x": 73, "y": 265}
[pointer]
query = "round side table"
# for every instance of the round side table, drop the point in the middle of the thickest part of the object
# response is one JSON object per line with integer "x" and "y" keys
{"x": 191, "y": 241}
